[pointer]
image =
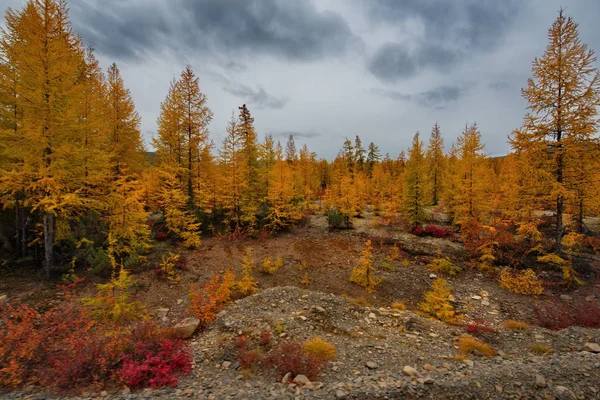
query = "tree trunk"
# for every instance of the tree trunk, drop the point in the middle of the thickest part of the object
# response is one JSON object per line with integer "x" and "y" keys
{"x": 48, "y": 243}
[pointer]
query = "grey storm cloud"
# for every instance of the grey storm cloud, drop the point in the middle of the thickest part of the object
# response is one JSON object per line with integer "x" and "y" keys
{"x": 451, "y": 30}
{"x": 295, "y": 30}
{"x": 436, "y": 98}
{"x": 256, "y": 97}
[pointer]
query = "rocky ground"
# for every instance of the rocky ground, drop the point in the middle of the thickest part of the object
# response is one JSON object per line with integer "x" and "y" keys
{"x": 381, "y": 353}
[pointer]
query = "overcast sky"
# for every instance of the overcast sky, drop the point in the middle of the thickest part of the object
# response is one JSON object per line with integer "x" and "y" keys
{"x": 329, "y": 69}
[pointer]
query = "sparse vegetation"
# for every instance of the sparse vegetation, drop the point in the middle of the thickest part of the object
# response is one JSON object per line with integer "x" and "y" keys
{"x": 364, "y": 273}
{"x": 540, "y": 348}
{"x": 468, "y": 345}
{"x": 516, "y": 325}
{"x": 444, "y": 265}
{"x": 521, "y": 282}
{"x": 320, "y": 349}
{"x": 436, "y": 304}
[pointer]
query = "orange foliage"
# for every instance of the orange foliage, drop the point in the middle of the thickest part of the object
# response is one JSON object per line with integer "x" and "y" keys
{"x": 207, "y": 301}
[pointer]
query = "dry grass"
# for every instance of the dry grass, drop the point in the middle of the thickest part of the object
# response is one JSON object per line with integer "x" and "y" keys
{"x": 469, "y": 345}
{"x": 540, "y": 348}
{"x": 516, "y": 325}
{"x": 320, "y": 349}
{"x": 398, "y": 305}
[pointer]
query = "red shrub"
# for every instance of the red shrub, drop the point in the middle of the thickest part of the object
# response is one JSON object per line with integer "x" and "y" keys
{"x": 418, "y": 231}
{"x": 290, "y": 357}
{"x": 160, "y": 235}
{"x": 479, "y": 327}
{"x": 265, "y": 338}
{"x": 156, "y": 368}
{"x": 560, "y": 316}
{"x": 436, "y": 231}
{"x": 240, "y": 342}
{"x": 431, "y": 230}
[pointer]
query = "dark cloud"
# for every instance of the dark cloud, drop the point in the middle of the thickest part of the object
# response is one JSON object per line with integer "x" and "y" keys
{"x": 295, "y": 30}
{"x": 256, "y": 97}
{"x": 286, "y": 134}
{"x": 499, "y": 85}
{"x": 437, "y": 98}
{"x": 451, "y": 31}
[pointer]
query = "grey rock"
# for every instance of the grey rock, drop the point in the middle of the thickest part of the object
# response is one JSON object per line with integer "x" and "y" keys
{"x": 302, "y": 380}
{"x": 162, "y": 312}
{"x": 564, "y": 393}
{"x": 287, "y": 378}
{"x": 591, "y": 347}
{"x": 409, "y": 371}
{"x": 540, "y": 381}
{"x": 340, "y": 394}
{"x": 371, "y": 365}
{"x": 186, "y": 328}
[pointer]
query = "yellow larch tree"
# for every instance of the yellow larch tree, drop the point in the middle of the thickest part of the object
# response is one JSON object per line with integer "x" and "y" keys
{"x": 47, "y": 60}
{"x": 233, "y": 175}
{"x": 283, "y": 212}
{"x": 125, "y": 138}
{"x": 471, "y": 199}
{"x": 563, "y": 95}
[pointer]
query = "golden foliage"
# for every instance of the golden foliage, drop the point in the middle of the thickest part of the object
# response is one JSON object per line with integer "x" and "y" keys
{"x": 521, "y": 282}
{"x": 305, "y": 280}
{"x": 444, "y": 265}
{"x": 398, "y": 305}
{"x": 270, "y": 266}
{"x": 247, "y": 285}
{"x": 469, "y": 345}
{"x": 320, "y": 349}
{"x": 515, "y": 325}
{"x": 168, "y": 264}
{"x": 364, "y": 273}
{"x": 112, "y": 302}
{"x": 436, "y": 304}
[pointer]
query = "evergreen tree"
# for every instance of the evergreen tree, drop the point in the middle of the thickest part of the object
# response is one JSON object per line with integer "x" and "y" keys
{"x": 435, "y": 164}
{"x": 415, "y": 183}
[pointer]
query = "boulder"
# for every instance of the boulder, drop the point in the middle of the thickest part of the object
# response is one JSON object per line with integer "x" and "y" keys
{"x": 186, "y": 328}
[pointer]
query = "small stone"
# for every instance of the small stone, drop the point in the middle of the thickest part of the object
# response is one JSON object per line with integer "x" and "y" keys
{"x": 282, "y": 335}
{"x": 566, "y": 298}
{"x": 302, "y": 317}
{"x": 469, "y": 363}
{"x": 499, "y": 389}
{"x": 371, "y": 365}
{"x": 564, "y": 393}
{"x": 188, "y": 392}
{"x": 226, "y": 364}
{"x": 340, "y": 394}
{"x": 302, "y": 380}
{"x": 591, "y": 347}
{"x": 3, "y": 298}
{"x": 287, "y": 378}
{"x": 186, "y": 328}
{"x": 540, "y": 381}
{"x": 318, "y": 385}
{"x": 425, "y": 381}
{"x": 485, "y": 303}
{"x": 476, "y": 297}
{"x": 587, "y": 298}
{"x": 179, "y": 302}
{"x": 432, "y": 276}
{"x": 429, "y": 367}
{"x": 320, "y": 309}
{"x": 104, "y": 393}
{"x": 451, "y": 298}
{"x": 162, "y": 312}
{"x": 126, "y": 391}
{"x": 409, "y": 371}
{"x": 372, "y": 316}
